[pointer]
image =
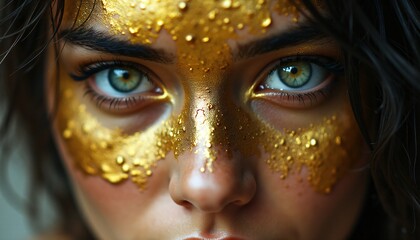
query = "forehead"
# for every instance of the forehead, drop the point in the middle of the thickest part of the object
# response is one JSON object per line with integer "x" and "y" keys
{"x": 200, "y": 29}
{"x": 189, "y": 20}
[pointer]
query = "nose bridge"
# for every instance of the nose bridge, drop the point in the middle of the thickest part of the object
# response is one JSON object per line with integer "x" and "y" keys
{"x": 206, "y": 135}
{"x": 208, "y": 177}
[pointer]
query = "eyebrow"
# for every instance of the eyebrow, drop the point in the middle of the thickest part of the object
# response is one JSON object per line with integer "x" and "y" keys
{"x": 304, "y": 33}
{"x": 92, "y": 39}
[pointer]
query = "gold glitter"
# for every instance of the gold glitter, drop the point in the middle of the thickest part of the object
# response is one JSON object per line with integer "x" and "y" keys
{"x": 338, "y": 140}
{"x": 212, "y": 15}
{"x": 125, "y": 168}
{"x": 321, "y": 161}
{"x": 227, "y": 3}
{"x": 67, "y": 134}
{"x": 189, "y": 38}
{"x": 266, "y": 22}
{"x": 120, "y": 160}
{"x": 182, "y": 5}
{"x": 199, "y": 128}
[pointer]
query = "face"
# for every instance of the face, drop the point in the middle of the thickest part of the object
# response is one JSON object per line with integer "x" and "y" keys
{"x": 205, "y": 120}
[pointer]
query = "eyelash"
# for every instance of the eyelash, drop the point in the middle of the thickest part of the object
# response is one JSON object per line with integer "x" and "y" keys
{"x": 84, "y": 72}
{"x": 333, "y": 67}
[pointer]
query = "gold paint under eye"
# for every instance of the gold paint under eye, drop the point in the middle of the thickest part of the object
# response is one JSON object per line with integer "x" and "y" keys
{"x": 315, "y": 148}
{"x": 210, "y": 122}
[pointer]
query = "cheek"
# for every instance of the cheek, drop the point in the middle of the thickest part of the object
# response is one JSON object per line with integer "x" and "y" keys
{"x": 315, "y": 215}
{"x": 114, "y": 210}
{"x": 321, "y": 144}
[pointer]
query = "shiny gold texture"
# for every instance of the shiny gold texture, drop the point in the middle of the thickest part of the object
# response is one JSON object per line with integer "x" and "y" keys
{"x": 210, "y": 122}
{"x": 315, "y": 148}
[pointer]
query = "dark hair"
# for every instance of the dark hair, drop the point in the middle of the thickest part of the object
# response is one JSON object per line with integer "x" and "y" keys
{"x": 380, "y": 40}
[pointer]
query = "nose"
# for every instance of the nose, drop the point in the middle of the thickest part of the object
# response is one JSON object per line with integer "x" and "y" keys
{"x": 228, "y": 184}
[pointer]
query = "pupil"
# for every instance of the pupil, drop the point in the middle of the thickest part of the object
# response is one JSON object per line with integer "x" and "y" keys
{"x": 126, "y": 75}
{"x": 294, "y": 70}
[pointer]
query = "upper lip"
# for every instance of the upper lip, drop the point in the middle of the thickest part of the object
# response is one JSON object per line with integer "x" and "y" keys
{"x": 213, "y": 237}
{"x": 216, "y": 238}
{"x": 208, "y": 236}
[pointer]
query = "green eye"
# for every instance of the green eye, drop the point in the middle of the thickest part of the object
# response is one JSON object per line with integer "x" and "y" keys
{"x": 125, "y": 79}
{"x": 295, "y": 74}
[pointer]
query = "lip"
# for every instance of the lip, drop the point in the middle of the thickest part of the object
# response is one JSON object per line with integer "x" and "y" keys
{"x": 209, "y": 236}
{"x": 217, "y": 238}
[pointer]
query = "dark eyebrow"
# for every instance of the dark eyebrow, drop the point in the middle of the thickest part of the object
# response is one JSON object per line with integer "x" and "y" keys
{"x": 93, "y": 39}
{"x": 303, "y": 33}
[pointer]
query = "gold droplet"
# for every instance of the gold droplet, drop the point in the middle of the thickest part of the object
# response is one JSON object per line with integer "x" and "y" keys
{"x": 125, "y": 168}
{"x": 182, "y": 5}
{"x": 106, "y": 168}
{"x": 276, "y": 145}
{"x": 226, "y": 20}
{"x": 212, "y": 15}
{"x": 313, "y": 142}
{"x": 115, "y": 178}
{"x": 208, "y": 145}
{"x": 67, "y": 134}
{"x": 266, "y": 22}
{"x": 160, "y": 23}
{"x": 120, "y": 160}
{"x": 240, "y": 26}
{"x": 189, "y": 38}
{"x": 133, "y": 30}
{"x": 149, "y": 172}
{"x": 142, "y": 6}
{"x": 298, "y": 141}
{"x": 282, "y": 141}
{"x": 338, "y": 140}
{"x": 202, "y": 169}
{"x": 205, "y": 39}
{"x": 227, "y": 4}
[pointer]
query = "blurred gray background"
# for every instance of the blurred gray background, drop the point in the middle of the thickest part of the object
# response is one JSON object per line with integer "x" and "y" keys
{"x": 13, "y": 222}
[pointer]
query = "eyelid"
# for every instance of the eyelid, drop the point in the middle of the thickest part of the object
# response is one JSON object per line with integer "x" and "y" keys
{"x": 330, "y": 64}
{"x": 87, "y": 70}
{"x": 119, "y": 104}
{"x": 288, "y": 98}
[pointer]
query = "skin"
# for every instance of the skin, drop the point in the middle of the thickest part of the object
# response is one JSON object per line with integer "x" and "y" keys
{"x": 238, "y": 195}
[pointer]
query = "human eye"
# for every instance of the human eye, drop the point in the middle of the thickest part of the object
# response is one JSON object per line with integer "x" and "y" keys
{"x": 119, "y": 87}
{"x": 298, "y": 82}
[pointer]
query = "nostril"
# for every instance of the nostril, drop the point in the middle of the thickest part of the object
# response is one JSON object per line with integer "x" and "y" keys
{"x": 238, "y": 202}
{"x": 185, "y": 204}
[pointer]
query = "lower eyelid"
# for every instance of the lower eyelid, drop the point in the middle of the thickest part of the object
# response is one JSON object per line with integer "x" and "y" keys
{"x": 301, "y": 99}
{"x": 124, "y": 105}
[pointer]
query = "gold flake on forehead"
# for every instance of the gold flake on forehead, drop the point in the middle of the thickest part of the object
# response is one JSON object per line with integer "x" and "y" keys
{"x": 210, "y": 121}
{"x": 202, "y": 26}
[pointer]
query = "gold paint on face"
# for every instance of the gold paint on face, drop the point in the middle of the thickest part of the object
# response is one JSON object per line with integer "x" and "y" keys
{"x": 210, "y": 121}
